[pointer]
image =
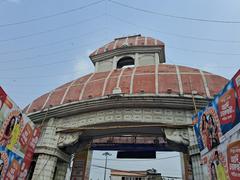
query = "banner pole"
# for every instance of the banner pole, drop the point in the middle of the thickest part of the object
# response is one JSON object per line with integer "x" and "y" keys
{"x": 193, "y": 93}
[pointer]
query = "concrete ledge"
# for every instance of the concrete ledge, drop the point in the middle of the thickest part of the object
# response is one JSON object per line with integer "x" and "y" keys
{"x": 129, "y": 50}
{"x": 53, "y": 152}
{"x": 125, "y": 101}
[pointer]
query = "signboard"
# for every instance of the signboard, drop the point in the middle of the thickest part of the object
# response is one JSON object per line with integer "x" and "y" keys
{"x": 236, "y": 82}
{"x": 217, "y": 129}
{"x": 18, "y": 138}
{"x": 224, "y": 160}
{"x": 233, "y": 155}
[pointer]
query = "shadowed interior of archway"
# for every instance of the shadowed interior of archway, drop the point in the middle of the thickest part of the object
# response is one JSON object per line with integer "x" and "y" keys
{"x": 129, "y": 136}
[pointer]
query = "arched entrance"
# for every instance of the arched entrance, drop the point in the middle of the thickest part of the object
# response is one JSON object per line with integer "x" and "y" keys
{"x": 168, "y": 129}
{"x": 149, "y": 99}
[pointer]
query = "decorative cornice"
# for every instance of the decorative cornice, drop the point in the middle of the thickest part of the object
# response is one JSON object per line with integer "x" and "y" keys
{"x": 128, "y": 50}
{"x": 53, "y": 152}
{"x": 120, "y": 101}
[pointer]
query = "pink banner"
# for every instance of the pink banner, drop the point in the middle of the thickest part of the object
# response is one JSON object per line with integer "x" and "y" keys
{"x": 18, "y": 138}
{"x": 29, "y": 154}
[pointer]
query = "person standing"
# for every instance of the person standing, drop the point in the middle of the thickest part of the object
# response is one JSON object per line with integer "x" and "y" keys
{"x": 15, "y": 133}
{"x": 221, "y": 175}
{"x": 213, "y": 172}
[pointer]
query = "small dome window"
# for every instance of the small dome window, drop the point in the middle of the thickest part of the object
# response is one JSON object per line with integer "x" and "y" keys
{"x": 125, "y": 45}
{"x": 125, "y": 62}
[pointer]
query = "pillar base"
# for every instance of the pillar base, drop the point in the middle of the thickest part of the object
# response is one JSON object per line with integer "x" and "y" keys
{"x": 61, "y": 170}
{"x": 45, "y": 167}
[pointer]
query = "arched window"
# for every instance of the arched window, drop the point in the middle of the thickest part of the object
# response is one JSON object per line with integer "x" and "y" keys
{"x": 125, "y": 62}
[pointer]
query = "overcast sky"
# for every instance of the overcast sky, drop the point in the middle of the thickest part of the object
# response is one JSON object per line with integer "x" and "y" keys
{"x": 42, "y": 48}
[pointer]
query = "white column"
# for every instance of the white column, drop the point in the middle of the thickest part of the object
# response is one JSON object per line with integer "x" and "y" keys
{"x": 61, "y": 170}
{"x": 45, "y": 167}
{"x": 156, "y": 57}
{"x": 114, "y": 64}
{"x": 196, "y": 164}
{"x": 88, "y": 164}
{"x": 46, "y": 162}
{"x": 194, "y": 154}
{"x": 136, "y": 59}
{"x": 96, "y": 66}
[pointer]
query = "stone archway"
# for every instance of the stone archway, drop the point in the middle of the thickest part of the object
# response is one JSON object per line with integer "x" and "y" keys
{"x": 150, "y": 94}
{"x": 63, "y": 136}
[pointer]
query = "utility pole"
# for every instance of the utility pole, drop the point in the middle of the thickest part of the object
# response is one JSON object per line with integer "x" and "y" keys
{"x": 106, "y": 154}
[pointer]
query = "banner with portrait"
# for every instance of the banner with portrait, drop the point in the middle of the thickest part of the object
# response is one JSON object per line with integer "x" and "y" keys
{"x": 217, "y": 128}
{"x": 9, "y": 162}
{"x": 223, "y": 161}
{"x": 197, "y": 129}
{"x": 18, "y": 138}
{"x": 207, "y": 129}
{"x": 236, "y": 82}
{"x": 215, "y": 122}
{"x": 227, "y": 107}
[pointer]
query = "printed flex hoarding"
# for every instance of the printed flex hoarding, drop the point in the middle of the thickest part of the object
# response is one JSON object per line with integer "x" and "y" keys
{"x": 217, "y": 129}
{"x": 223, "y": 161}
{"x": 236, "y": 83}
{"x": 18, "y": 138}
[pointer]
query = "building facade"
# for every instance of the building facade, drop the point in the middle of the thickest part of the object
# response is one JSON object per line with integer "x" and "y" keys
{"x": 150, "y": 174}
{"x": 132, "y": 92}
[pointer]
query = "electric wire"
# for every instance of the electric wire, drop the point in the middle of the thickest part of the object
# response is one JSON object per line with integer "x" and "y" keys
{"x": 51, "y": 53}
{"x": 50, "y": 30}
{"x": 52, "y": 15}
{"x": 198, "y": 65}
{"x": 169, "y": 157}
{"x": 166, "y": 176}
{"x": 79, "y": 37}
{"x": 41, "y": 77}
{"x": 173, "y": 16}
{"x": 84, "y": 45}
{"x": 40, "y": 65}
{"x": 171, "y": 34}
{"x": 70, "y": 73}
{"x": 202, "y": 51}
{"x": 45, "y": 64}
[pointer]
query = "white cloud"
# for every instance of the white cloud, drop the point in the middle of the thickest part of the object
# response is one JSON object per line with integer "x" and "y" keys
{"x": 83, "y": 67}
{"x": 14, "y": 1}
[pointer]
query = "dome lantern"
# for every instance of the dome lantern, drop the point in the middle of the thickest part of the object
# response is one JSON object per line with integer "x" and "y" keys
{"x": 128, "y": 51}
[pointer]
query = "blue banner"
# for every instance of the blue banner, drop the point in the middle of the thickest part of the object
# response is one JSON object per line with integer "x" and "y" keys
{"x": 219, "y": 117}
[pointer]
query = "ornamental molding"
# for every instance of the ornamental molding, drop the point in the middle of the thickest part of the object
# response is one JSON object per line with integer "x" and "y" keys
{"x": 66, "y": 139}
{"x": 129, "y": 50}
{"x": 52, "y": 152}
{"x": 119, "y": 101}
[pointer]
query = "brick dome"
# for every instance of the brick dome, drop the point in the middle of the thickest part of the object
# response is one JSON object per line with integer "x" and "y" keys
{"x": 152, "y": 80}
